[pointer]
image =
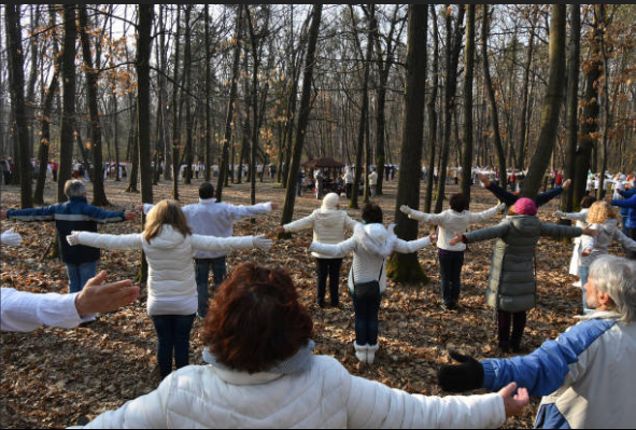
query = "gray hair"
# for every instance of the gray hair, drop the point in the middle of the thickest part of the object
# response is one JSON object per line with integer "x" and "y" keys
{"x": 616, "y": 277}
{"x": 74, "y": 188}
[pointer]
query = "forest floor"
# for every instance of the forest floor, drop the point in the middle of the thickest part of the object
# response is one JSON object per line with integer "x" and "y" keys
{"x": 52, "y": 377}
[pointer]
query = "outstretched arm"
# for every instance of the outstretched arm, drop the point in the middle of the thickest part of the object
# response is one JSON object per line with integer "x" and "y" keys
{"x": 301, "y": 224}
{"x": 240, "y": 212}
{"x": 404, "y": 247}
{"x": 336, "y": 251}
{"x": 486, "y": 215}
{"x": 488, "y": 233}
{"x": 106, "y": 241}
{"x": 220, "y": 244}
{"x": 434, "y": 219}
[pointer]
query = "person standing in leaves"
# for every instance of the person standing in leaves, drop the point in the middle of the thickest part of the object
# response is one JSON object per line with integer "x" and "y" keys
{"x": 75, "y": 214}
{"x": 512, "y": 287}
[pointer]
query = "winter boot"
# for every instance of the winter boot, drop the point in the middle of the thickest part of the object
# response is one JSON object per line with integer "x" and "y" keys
{"x": 361, "y": 352}
{"x": 371, "y": 353}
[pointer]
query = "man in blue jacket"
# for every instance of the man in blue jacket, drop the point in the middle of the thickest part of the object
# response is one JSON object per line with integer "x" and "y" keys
{"x": 75, "y": 214}
{"x": 587, "y": 375}
{"x": 628, "y": 212}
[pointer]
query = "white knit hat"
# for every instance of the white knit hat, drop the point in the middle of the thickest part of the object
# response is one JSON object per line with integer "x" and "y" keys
{"x": 331, "y": 201}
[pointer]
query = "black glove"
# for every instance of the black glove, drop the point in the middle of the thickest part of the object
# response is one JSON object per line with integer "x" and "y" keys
{"x": 469, "y": 375}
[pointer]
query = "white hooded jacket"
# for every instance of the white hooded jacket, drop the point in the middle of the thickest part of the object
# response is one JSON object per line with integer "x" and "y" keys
{"x": 172, "y": 287}
{"x": 325, "y": 396}
{"x": 599, "y": 245}
{"x": 371, "y": 245}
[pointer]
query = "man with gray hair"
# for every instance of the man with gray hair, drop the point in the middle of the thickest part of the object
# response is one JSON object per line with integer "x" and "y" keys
{"x": 587, "y": 375}
{"x": 75, "y": 214}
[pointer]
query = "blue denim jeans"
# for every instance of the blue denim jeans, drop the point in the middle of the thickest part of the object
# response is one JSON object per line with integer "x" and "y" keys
{"x": 366, "y": 320}
{"x": 173, "y": 332}
{"x": 79, "y": 274}
{"x": 219, "y": 271}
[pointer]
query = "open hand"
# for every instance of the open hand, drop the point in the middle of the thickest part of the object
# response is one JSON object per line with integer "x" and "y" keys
{"x": 275, "y": 206}
{"x": 262, "y": 242}
{"x": 304, "y": 243}
{"x": 130, "y": 215}
{"x": 567, "y": 184}
{"x": 97, "y": 297}
{"x": 3, "y": 214}
{"x": 73, "y": 238}
{"x": 484, "y": 179}
{"x": 279, "y": 230}
{"x": 11, "y": 238}
{"x": 454, "y": 241}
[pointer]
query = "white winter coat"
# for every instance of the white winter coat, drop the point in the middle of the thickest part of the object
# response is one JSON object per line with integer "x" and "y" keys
{"x": 328, "y": 224}
{"x": 371, "y": 245}
{"x": 452, "y": 222}
{"x": 599, "y": 245}
{"x": 580, "y": 218}
{"x": 172, "y": 287}
{"x": 326, "y": 396}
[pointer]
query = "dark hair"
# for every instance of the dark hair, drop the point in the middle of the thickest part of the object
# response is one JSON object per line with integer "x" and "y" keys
{"x": 372, "y": 214}
{"x": 459, "y": 202}
{"x": 206, "y": 191}
{"x": 587, "y": 202}
{"x": 256, "y": 320}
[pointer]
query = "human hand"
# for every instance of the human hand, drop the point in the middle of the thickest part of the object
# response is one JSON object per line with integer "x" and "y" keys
{"x": 586, "y": 252}
{"x": 454, "y": 241}
{"x": 567, "y": 184}
{"x": 275, "y": 206}
{"x": 484, "y": 180}
{"x": 261, "y": 242}
{"x": 433, "y": 238}
{"x": 279, "y": 230}
{"x": 304, "y": 243}
{"x": 11, "y": 238}
{"x": 73, "y": 238}
{"x": 139, "y": 208}
{"x": 558, "y": 214}
{"x": 406, "y": 210}
{"x": 514, "y": 405}
{"x": 501, "y": 207}
{"x": 3, "y": 214}
{"x": 97, "y": 297}
{"x": 129, "y": 215}
{"x": 466, "y": 376}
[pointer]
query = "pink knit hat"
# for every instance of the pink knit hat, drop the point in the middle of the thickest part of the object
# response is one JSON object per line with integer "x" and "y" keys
{"x": 526, "y": 207}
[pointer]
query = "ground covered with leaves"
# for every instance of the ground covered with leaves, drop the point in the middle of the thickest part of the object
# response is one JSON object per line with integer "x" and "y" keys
{"x": 52, "y": 377}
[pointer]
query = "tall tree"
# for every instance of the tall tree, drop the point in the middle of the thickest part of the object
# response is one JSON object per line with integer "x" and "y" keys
{"x": 16, "y": 81}
{"x": 208, "y": 94}
{"x": 144, "y": 43}
{"x": 523, "y": 129}
{"x": 187, "y": 70}
{"x": 572, "y": 125}
{"x": 229, "y": 116}
{"x": 303, "y": 116}
{"x": 492, "y": 100}
{"x": 432, "y": 117}
{"x": 176, "y": 137}
{"x": 469, "y": 66}
{"x": 92, "y": 82}
{"x": 453, "y": 49}
{"x": 68, "y": 101}
{"x": 551, "y": 106}
{"x": 406, "y": 267}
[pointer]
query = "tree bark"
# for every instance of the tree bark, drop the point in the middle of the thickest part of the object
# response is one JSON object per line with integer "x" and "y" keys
{"x": 552, "y": 105}
{"x": 432, "y": 118}
{"x": 16, "y": 81}
{"x": 176, "y": 137}
{"x": 303, "y": 117}
{"x": 406, "y": 267}
{"x": 523, "y": 131}
{"x": 467, "y": 163}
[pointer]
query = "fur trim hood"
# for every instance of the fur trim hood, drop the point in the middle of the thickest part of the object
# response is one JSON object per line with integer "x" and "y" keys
{"x": 376, "y": 239}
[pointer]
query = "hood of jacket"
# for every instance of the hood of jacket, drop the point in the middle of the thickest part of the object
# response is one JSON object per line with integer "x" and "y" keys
{"x": 167, "y": 238}
{"x": 376, "y": 239}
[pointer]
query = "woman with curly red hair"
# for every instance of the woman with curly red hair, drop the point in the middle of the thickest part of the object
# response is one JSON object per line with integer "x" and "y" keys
{"x": 261, "y": 372}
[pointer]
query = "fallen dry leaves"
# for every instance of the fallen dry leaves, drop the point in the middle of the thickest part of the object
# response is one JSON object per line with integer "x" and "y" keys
{"x": 52, "y": 377}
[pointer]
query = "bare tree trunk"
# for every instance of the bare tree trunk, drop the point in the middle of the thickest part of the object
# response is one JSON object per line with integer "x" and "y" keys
{"x": 523, "y": 134}
{"x": 303, "y": 117}
{"x": 187, "y": 66}
{"x": 208, "y": 89}
{"x": 494, "y": 112}
{"x": 552, "y": 104}
{"x": 406, "y": 267}
{"x": 572, "y": 138}
{"x": 176, "y": 138}
{"x": 432, "y": 118}
{"x": 230, "y": 108}
{"x": 92, "y": 81}
{"x": 468, "y": 102}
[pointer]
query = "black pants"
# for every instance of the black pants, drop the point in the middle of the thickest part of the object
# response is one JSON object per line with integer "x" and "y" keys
{"x": 450, "y": 266}
{"x": 631, "y": 232}
{"x": 366, "y": 320}
{"x": 349, "y": 188}
{"x": 331, "y": 269}
{"x": 518, "y": 323}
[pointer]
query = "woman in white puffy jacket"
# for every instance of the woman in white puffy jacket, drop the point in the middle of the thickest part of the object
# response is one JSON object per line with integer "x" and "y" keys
{"x": 451, "y": 257}
{"x": 261, "y": 372}
{"x": 371, "y": 244}
{"x": 169, "y": 244}
{"x": 329, "y": 225}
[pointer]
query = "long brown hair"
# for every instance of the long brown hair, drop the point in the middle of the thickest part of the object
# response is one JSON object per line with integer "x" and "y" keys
{"x": 166, "y": 212}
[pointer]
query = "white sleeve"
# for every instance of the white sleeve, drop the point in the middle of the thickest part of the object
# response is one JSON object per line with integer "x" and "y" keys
{"x": 404, "y": 247}
{"x": 576, "y": 216}
{"x": 336, "y": 251}
{"x": 486, "y": 215}
{"x": 626, "y": 241}
{"x": 23, "y": 311}
{"x": 374, "y": 405}
{"x": 239, "y": 212}
{"x": 434, "y": 219}
{"x": 350, "y": 223}
{"x": 220, "y": 244}
{"x": 301, "y": 224}
{"x": 148, "y": 207}
{"x": 111, "y": 241}
{"x": 149, "y": 411}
